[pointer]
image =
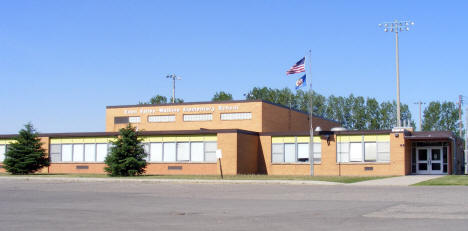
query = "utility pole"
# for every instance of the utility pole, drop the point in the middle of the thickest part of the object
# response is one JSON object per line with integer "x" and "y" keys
{"x": 460, "y": 103}
{"x": 466, "y": 143}
{"x": 174, "y": 78}
{"x": 397, "y": 26}
{"x": 420, "y": 118}
{"x": 311, "y": 116}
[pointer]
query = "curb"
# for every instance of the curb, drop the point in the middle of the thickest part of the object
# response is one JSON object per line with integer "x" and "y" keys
{"x": 180, "y": 181}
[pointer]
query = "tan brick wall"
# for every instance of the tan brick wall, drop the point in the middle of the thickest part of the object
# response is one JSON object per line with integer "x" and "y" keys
{"x": 265, "y": 118}
{"x": 187, "y": 169}
{"x": 329, "y": 166}
{"x": 227, "y": 142}
{"x": 247, "y": 154}
{"x": 93, "y": 168}
{"x": 255, "y": 124}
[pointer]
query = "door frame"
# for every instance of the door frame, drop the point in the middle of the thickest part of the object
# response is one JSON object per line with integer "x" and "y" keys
{"x": 429, "y": 160}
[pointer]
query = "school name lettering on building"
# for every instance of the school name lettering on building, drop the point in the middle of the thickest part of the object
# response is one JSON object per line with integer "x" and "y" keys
{"x": 183, "y": 109}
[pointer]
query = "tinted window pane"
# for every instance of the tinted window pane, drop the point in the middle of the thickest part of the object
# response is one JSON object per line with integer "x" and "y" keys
{"x": 121, "y": 120}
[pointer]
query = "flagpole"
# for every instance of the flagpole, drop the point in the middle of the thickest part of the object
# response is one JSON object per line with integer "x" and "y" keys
{"x": 311, "y": 131}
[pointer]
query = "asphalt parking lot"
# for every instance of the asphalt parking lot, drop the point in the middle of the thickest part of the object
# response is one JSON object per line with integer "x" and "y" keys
{"x": 173, "y": 206}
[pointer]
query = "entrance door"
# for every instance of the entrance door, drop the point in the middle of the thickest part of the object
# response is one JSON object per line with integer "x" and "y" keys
{"x": 429, "y": 160}
{"x": 436, "y": 160}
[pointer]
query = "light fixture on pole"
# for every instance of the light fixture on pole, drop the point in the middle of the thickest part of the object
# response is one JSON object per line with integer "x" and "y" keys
{"x": 420, "y": 118}
{"x": 397, "y": 26}
{"x": 174, "y": 78}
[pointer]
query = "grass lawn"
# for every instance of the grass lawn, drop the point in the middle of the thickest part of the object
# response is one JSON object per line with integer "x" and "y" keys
{"x": 446, "y": 180}
{"x": 340, "y": 179}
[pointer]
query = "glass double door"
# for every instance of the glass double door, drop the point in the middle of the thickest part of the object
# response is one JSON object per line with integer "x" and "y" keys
{"x": 429, "y": 160}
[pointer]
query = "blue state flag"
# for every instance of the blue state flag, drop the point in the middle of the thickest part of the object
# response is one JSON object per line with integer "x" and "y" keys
{"x": 301, "y": 82}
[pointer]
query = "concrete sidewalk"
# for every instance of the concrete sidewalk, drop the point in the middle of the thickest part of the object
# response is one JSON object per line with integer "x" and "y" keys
{"x": 396, "y": 181}
{"x": 392, "y": 181}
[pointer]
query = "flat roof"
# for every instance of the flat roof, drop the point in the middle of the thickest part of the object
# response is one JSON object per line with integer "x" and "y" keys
{"x": 142, "y": 133}
{"x": 426, "y": 135}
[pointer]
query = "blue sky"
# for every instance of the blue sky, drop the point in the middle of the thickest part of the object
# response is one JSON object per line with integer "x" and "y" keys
{"x": 62, "y": 62}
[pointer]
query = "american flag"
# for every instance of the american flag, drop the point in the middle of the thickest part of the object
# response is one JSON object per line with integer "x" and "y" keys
{"x": 297, "y": 68}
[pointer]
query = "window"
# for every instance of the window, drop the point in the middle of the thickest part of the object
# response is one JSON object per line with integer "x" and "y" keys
{"x": 90, "y": 152}
{"x": 210, "y": 151}
{"x": 277, "y": 153}
{"x": 156, "y": 154}
{"x": 355, "y": 152}
{"x": 363, "y": 152}
{"x": 101, "y": 152}
{"x": 289, "y": 153}
{"x": 134, "y": 119}
{"x": 2, "y": 152}
{"x": 196, "y": 151}
{"x": 198, "y": 117}
{"x": 370, "y": 152}
{"x": 169, "y": 152}
{"x": 183, "y": 152}
{"x": 383, "y": 151}
{"x": 343, "y": 152}
{"x": 294, "y": 152}
{"x": 67, "y": 152}
{"x": 161, "y": 118}
{"x": 55, "y": 153}
{"x": 303, "y": 152}
{"x": 121, "y": 120}
{"x": 146, "y": 149}
{"x": 78, "y": 153}
{"x": 317, "y": 152}
{"x": 236, "y": 116}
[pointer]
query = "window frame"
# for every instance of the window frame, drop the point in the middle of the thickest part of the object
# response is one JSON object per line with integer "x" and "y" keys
{"x": 189, "y": 144}
{"x": 240, "y": 114}
{"x": 296, "y": 143}
{"x": 60, "y": 153}
{"x": 339, "y": 153}
{"x": 210, "y": 115}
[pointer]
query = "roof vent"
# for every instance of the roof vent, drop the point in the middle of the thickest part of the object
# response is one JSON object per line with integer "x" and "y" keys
{"x": 338, "y": 129}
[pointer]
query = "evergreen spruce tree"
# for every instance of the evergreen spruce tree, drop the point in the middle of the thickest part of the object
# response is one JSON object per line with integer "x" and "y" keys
{"x": 127, "y": 156}
{"x": 26, "y": 155}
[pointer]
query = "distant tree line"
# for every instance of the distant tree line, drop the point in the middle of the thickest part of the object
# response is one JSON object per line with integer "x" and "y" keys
{"x": 353, "y": 112}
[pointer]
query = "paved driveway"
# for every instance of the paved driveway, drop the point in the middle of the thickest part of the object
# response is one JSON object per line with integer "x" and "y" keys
{"x": 168, "y": 206}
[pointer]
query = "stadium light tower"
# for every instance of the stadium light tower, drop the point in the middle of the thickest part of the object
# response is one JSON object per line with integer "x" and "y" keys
{"x": 397, "y": 26}
{"x": 174, "y": 78}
